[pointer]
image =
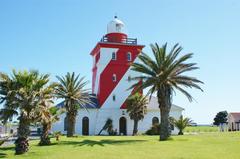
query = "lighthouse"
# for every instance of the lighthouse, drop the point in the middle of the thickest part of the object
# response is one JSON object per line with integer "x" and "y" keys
{"x": 111, "y": 80}
{"x": 112, "y": 58}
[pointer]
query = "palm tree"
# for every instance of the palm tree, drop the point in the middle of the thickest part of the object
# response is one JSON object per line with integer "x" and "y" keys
{"x": 108, "y": 126}
{"x": 137, "y": 108}
{"x": 49, "y": 115}
{"x": 20, "y": 94}
{"x": 47, "y": 112}
{"x": 44, "y": 112}
{"x": 164, "y": 74}
{"x": 72, "y": 89}
{"x": 181, "y": 123}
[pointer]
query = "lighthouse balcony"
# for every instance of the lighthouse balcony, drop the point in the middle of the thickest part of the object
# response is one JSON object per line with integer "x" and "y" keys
{"x": 117, "y": 39}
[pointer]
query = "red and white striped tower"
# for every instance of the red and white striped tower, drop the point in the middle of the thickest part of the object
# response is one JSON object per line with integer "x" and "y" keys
{"x": 111, "y": 66}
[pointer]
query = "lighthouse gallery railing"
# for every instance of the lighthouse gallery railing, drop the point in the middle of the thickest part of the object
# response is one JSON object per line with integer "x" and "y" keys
{"x": 130, "y": 41}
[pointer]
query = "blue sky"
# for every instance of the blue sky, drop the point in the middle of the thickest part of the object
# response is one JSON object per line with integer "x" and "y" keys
{"x": 57, "y": 36}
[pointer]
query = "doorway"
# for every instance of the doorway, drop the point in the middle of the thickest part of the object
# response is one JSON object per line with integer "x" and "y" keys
{"x": 122, "y": 126}
{"x": 85, "y": 126}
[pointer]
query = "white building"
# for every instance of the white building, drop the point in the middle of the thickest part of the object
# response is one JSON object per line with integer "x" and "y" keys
{"x": 234, "y": 121}
{"x": 8, "y": 129}
{"x": 91, "y": 122}
{"x": 110, "y": 82}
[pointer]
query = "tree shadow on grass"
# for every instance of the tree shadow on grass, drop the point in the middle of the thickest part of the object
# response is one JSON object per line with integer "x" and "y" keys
{"x": 7, "y": 148}
{"x": 99, "y": 143}
{"x": 2, "y": 149}
{"x": 51, "y": 144}
{"x": 3, "y": 155}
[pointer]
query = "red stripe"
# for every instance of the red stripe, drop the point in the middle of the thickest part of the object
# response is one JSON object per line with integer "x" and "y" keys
{"x": 118, "y": 67}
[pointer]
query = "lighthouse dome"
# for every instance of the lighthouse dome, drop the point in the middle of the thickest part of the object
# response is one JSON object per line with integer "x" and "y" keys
{"x": 115, "y": 26}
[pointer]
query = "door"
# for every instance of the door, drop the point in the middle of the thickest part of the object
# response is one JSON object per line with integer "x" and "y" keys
{"x": 85, "y": 126}
{"x": 122, "y": 126}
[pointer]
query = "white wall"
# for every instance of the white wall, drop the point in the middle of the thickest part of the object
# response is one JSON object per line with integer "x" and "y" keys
{"x": 91, "y": 114}
{"x": 98, "y": 117}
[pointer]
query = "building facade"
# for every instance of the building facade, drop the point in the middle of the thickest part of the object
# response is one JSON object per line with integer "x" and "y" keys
{"x": 111, "y": 80}
{"x": 234, "y": 121}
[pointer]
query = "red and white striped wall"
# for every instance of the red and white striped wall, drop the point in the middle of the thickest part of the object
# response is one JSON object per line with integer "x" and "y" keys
{"x": 113, "y": 93}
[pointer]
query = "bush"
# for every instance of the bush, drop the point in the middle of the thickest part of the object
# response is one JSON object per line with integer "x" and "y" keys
{"x": 112, "y": 132}
{"x": 57, "y": 135}
{"x": 154, "y": 130}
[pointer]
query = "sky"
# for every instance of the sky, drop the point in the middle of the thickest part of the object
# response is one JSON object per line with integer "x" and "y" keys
{"x": 57, "y": 36}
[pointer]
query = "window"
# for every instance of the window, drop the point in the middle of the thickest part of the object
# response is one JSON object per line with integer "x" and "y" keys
{"x": 129, "y": 78}
{"x": 114, "y": 56}
{"x": 129, "y": 56}
{"x": 114, "y": 97}
{"x": 118, "y": 27}
{"x": 114, "y": 78}
{"x": 155, "y": 120}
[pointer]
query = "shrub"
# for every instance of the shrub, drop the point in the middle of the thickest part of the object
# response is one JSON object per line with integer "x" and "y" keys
{"x": 154, "y": 130}
{"x": 112, "y": 132}
{"x": 57, "y": 135}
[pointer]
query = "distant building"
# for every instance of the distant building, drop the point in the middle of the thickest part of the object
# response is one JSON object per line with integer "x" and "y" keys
{"x": 8, "y": 129}
{"x": 3, "y": 129}
{"x": 111, "y": 81}
{"x": 234, "y": 121}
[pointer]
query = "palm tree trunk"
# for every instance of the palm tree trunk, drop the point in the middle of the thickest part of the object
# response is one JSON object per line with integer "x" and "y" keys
{"x": 135, "y": 127}
{"x": 23, "y": 131}
{"x": 71, "y": 125}
{"x": 45, "y": 140}
{"x": 164, "y": 126}
{"x": 100, "y": 131}
{"x": 180, "y": 132}
{"x": 164, "y": 105}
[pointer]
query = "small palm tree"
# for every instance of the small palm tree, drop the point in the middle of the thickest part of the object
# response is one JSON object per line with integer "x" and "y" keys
{"x": 20, "y": 95}
{"x": 108, "y": 126}
{"x": 136, "y": 108}
{"x": 181, "y": 123}
{"x": 72, "y": 89}
{"x": 164, "y": 74}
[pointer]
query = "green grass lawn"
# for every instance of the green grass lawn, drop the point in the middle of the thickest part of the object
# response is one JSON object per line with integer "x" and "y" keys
{"x": 201, "y": 146}
{"x": 200, "y": 129}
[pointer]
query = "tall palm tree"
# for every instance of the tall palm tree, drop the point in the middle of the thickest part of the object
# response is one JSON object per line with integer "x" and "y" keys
{"x": 72, "y": 89}
{"x": 181, "y": 123}
{"x": 20, "y": 95}
{"x": 137, "y": 108}
{"x": 163, "y": 74}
